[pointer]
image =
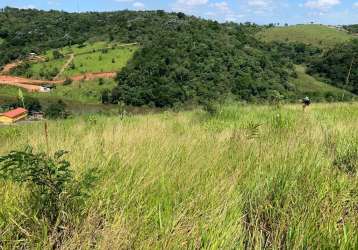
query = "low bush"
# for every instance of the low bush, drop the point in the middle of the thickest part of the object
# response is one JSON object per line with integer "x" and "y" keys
{"x": 48, "y": 178}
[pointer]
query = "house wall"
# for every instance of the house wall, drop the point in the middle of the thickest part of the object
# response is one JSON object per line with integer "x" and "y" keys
{"x": 20, "y": 117}
{"x": 6, "y": 120}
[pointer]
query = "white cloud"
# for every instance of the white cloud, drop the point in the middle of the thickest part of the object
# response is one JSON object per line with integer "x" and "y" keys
{"x": 321, "y": 4}
{"x": 139, "y": 5}
{"x": 355, "y": 5}
{"x": 221, "y": 6}
{"x": 189, "y": 6}
{"x": 192, "y": 2}
{"x": 259, "y": 3}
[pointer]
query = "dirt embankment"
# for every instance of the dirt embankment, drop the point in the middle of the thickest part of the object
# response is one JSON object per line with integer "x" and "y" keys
{"x": 32, "y": 85}
{"x": 28, "y": 87}
{"x": 8, "y": 67}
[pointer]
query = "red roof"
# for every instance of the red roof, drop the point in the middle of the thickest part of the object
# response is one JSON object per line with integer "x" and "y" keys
{"x": 15, "y": 113}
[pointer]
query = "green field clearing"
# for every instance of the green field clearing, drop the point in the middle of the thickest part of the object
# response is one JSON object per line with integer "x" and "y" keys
{"x": 85, "y": 48}
{"x": 113, "y": 60}
{"x": 308, "y": 84}
{"x": 88, "y": 47}
{"x": 93, "y": 57}
{"x": 83, "y": 92}
{"x": 38, "y": 70}
{"x": 249, "y": 177}
{"x": 318, "y": 35}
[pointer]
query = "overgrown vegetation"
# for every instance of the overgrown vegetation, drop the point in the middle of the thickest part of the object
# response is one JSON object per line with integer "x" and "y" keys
{"x": 52, "y": 191}
{"x": 195, "y": 61}
{"x": 353, "y": 29}
{"x": 339, "y": 66}
{"x": 57, "y": 110}
{"x": 247, "y": 176}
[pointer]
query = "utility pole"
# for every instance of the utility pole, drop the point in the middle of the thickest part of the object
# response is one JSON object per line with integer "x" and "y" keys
{"x": 350, "y": 70}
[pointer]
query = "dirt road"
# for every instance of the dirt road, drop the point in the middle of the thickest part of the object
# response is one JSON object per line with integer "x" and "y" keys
{"x": 32, "y": 85}
{"x": 64, "y": 67}
{"x": 28, "y": 87}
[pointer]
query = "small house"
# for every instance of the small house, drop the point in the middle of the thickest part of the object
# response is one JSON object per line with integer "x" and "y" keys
{"x": 13, "y": 116}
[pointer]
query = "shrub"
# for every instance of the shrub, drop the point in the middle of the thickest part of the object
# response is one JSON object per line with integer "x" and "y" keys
{"x": 346, "y": 159}
{"x": 105, "y": 96}
{"x": 47, "y": 177}
{"x": 68, "y": 81}
{"x": 57, "y": 111}
{"x": 210, "y": 108}
{"x": 54, "y": 193}
{"x": 32, "y": 104}
{"x": 57, "y": 55}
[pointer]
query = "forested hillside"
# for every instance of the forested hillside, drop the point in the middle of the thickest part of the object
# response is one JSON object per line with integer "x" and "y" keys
{"x": 196, "y": 61}
{"x": 339, "y": 66}
{"x": 181, "y": 59}
{"x": 24, "y": 31}
{"x": 353, "y": 29}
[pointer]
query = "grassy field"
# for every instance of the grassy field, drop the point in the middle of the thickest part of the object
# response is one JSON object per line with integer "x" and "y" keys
{"x": 91, "y": 57}
{"x": 88, "y": 92}
{"x": 113, "y": 60}
{"x": 309, "y": 85}
{"x": 318, "y": 35}
{"x": 248, "y": 177}
{"x": 37, "y": 70}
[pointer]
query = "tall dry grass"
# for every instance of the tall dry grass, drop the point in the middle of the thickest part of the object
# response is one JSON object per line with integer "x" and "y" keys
{"x": 246, "y": 177}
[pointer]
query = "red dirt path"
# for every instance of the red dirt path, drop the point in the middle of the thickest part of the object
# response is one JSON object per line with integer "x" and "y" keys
{"x": 8, "y": 67}
{"x": 32, "y": 85}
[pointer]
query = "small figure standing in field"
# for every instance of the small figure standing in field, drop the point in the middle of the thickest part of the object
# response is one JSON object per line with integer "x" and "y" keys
{"x": 306, "y": 102}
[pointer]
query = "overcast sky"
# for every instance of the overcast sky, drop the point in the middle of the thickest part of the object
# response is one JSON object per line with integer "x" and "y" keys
{"x": 258, "y": 11}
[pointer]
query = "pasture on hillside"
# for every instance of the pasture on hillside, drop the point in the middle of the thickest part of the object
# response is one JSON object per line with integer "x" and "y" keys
{"x": 111, "y": 60}
{"x": 315, "y": 34}
{"x": 246, "y": 176}
{"x": 88, "y": 58}
{"x": 308, "y": 85}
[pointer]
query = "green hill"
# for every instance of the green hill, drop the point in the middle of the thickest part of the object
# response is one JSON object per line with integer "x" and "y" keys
{"x": 182, "y": 60}
{"x": 314, "y": 34}
{"x": 308, "y": 85}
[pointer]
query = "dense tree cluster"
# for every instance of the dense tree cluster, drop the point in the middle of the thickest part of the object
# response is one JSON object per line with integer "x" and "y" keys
{"x": 192, "y": 60}
{"x": 339, "y": 66}
{"x": 298, "y": 53}
{"x": 353, "y": 29}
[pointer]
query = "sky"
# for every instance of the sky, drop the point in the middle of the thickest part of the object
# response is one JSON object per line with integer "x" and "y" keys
{"x": 258, "y": 11}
